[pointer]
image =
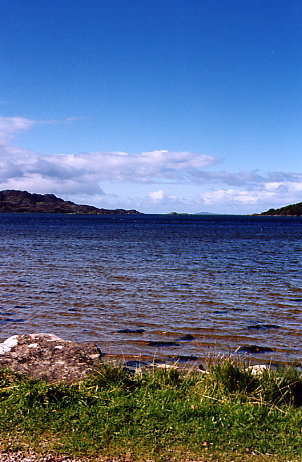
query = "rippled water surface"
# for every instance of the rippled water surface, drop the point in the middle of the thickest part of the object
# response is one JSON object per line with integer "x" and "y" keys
{"x": 204, "y": 284}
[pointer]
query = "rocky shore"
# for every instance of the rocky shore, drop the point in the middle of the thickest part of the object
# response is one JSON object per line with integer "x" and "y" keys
{"x": 47, "y": 356}
{"x": 44, "y": 355}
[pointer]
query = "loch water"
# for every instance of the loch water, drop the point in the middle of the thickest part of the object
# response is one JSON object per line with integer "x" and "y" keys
{"x": 162, "y": 286}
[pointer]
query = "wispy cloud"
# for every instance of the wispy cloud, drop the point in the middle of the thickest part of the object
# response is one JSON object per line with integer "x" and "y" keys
{"x": 10, "y": 126}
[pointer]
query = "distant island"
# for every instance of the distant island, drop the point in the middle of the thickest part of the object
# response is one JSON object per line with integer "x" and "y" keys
{"x": 294, "y": 210}
{"x": 12, "y": 201}
{"x": 188, "y": 213}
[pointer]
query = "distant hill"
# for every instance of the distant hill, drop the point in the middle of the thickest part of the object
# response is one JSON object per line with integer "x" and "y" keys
{"x": 294, "y": 210}
{"x": 25, "y": 202}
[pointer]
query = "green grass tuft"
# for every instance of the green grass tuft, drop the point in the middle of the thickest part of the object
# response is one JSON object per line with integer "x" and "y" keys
{"x": 162, "y": 415}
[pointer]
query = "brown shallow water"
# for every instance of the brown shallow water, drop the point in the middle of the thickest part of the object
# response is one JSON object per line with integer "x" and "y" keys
{"x": 142, "y": 285}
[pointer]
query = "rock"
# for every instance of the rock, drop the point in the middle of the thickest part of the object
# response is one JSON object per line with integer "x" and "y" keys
{"x": 135, "y": 364}
{"x": 263, "y": 326}
{"x": 8, "y": 344}
{"x": 165, "y": 366}
{"x": 186, "y": 338}
{"x": 253, "y": 349}
{"x": 161, "y": 344}
{"x": 185, "y": 358}
{"x": 131, "y": 331}
{"x": 258, "y": 369}
{"x": 48, "y": 356}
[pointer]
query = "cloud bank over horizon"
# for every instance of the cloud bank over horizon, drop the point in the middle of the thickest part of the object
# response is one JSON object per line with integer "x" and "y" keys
{"x": 160, "y": 180}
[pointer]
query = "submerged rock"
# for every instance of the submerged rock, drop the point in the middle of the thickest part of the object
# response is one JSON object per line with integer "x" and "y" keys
{"x": 133, "y": 363}
{"x": 161, "y": 344}
{"x": 263, "y": 326}
{"x": 186, "y": 338}
{"x": 48, "y": 356}
{"x": 131, "y": 331}
{"x": 254, "y": 349}
{"x": 185, "y": 358}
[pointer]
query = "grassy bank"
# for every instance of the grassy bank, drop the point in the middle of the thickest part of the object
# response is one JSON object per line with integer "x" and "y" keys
{"x": 228, "y": 414}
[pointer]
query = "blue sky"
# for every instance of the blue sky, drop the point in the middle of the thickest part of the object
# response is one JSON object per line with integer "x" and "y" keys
{"x": 158, "y": 105}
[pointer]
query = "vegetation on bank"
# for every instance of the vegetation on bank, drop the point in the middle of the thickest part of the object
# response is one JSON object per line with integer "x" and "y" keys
{"x": 166, "y": 415}
{"x": 289, "y": 210}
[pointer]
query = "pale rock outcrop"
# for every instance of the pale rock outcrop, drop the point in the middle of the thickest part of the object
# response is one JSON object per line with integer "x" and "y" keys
{"x": 48, "y": 356}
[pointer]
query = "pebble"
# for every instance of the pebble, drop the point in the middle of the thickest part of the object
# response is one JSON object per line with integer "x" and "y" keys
{"x": 21, "y": 457}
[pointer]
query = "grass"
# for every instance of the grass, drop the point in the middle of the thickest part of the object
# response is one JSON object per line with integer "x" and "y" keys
{"x": 166, "y": 415}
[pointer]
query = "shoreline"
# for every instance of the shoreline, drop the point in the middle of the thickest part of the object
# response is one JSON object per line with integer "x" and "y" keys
{"x": 44, "y": 355}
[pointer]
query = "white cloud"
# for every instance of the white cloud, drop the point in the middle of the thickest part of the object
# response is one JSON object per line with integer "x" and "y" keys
{"x": 160, "y": 195}
{"x": 223, "y": 196}
{"x": 156, "y": 196}
{"x": 83, "y": 174}
{"x": 68, "y": 172}
{"x": 285, "y": 186}
{"x": 9, "y": 126}
{"x": 101, "y": 166}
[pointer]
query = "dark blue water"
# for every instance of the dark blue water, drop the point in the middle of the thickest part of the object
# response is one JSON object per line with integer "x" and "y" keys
{"x": 227, "y": 281}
